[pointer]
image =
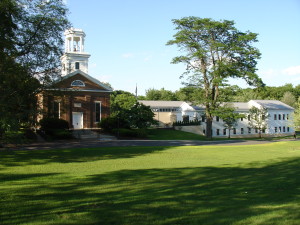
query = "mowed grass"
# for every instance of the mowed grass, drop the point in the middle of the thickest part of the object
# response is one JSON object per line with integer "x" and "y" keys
{"x": 170, "y": 134}
{"x": 257, "y": 184}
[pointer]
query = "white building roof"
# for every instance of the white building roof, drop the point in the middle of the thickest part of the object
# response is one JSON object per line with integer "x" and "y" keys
{"x": 273, "y": 104}
{"x": 240, "y": 106}
{"x": 162, "y": 104}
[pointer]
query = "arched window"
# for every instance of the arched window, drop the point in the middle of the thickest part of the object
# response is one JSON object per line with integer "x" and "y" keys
{"x": 77, "y": 83}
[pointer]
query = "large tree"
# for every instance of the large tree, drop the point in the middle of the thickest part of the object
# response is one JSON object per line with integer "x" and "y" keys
{"x": 30, "y": 49}
{"x": 215, "y": 51}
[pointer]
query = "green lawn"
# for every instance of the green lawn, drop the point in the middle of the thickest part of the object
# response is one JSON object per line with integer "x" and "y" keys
{"x": 170, "y": 134}
{"x": 152, "y": 185}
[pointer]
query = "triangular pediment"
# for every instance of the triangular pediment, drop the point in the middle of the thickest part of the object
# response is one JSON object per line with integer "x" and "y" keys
{"x": 78, "y": 80}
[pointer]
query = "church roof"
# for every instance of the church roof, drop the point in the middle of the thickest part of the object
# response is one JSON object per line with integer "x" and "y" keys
{"x": 92, "y": 79}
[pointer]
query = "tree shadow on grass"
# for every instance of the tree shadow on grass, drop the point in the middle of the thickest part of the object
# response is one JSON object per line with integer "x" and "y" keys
{"x": 21, "y": 158}
{"x": 208, "y": 195}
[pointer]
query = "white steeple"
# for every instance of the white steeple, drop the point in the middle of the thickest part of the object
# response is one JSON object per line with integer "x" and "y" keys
{"x": 74, "y": 57}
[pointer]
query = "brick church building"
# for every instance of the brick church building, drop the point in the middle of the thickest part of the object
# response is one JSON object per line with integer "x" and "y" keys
{"x": 77, "y": 97}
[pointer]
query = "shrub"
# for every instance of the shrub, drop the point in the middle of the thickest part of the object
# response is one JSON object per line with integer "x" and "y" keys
{"x": 55, "y": 128}
{"x": 53, "y": 123}
{"x": 13, "y": 137}
{"x": 108, "y": 124}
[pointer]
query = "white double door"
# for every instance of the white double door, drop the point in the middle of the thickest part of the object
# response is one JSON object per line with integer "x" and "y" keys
{"x": 77, "y": 120}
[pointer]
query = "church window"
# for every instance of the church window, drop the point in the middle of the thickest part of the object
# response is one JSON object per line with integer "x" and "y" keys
{"x": 97, "y": 112}
{"x": 77, "y": 65}
{"x": 77, "y": 83}
{"x": 56, "y": 109}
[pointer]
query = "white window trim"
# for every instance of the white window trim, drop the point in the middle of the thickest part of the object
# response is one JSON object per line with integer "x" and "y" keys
{"x": 76, "y": 85}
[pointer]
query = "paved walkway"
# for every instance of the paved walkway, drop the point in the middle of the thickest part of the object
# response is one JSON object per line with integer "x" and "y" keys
{"x": 106, "y": 141}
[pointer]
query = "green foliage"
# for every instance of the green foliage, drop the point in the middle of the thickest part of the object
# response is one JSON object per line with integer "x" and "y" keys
{"x": 215, "y": 51}
{"x": 141, "y": 116}
{"x": 138, "y": 116}
{"x": 18, "y": 137}
{"x": 121, "y": 101}
{"x": 55, "y": 128}
{"x": 296, "y": 116}
{"x": 289, "y": 99}
{"x": 30, "y": 49}
{"x": 162, "y": 94}
{"x": 113, "y": 122}
{"x": 13, "y": 137}
{"x": 54, "y": 123}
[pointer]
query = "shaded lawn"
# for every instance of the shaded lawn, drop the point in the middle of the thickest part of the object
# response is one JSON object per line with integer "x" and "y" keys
{"x": 152, "y": 185}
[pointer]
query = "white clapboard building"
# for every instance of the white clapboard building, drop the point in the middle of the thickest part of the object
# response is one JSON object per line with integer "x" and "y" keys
{"x": 279, "y": 121}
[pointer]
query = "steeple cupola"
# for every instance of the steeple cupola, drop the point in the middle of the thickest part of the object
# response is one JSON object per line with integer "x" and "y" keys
{"x": 74, "y": 57}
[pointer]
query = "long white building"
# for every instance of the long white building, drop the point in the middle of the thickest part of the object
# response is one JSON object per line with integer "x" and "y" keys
{"x": 279, "y": 121}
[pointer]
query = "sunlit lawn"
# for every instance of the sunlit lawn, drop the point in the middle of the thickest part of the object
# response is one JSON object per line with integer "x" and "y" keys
{"x": 152, "y": 185}
{"x": 170, "y": 134}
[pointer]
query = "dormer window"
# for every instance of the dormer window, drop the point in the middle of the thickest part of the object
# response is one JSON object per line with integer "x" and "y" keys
{"x": 77, "y": 65}
{"x": 77, "y": 83}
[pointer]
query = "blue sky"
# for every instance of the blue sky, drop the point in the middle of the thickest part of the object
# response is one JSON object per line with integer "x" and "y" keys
{"x": 126, "y": 38}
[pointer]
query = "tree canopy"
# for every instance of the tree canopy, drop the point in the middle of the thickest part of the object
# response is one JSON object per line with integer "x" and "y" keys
{"x": 215, "y": 51}
{"x": 30, "y": 49}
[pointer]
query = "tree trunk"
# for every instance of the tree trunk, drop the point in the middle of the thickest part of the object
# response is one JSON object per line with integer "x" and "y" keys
{"x": 209, "y": 127}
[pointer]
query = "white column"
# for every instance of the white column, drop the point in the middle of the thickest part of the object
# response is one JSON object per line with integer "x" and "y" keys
{"x": 72, "y": 44}
{"x": 82, "y": 42}
{"x": 81, "y": 47}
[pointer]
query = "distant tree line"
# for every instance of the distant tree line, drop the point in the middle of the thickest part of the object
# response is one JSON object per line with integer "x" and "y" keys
{"x": 287, "y": 93}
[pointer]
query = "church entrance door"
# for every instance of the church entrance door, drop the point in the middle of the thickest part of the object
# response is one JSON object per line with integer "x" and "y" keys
{"x": 77, "y": 120}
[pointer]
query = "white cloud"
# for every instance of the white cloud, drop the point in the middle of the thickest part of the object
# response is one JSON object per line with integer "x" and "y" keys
{"x": 293, "y": 70}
